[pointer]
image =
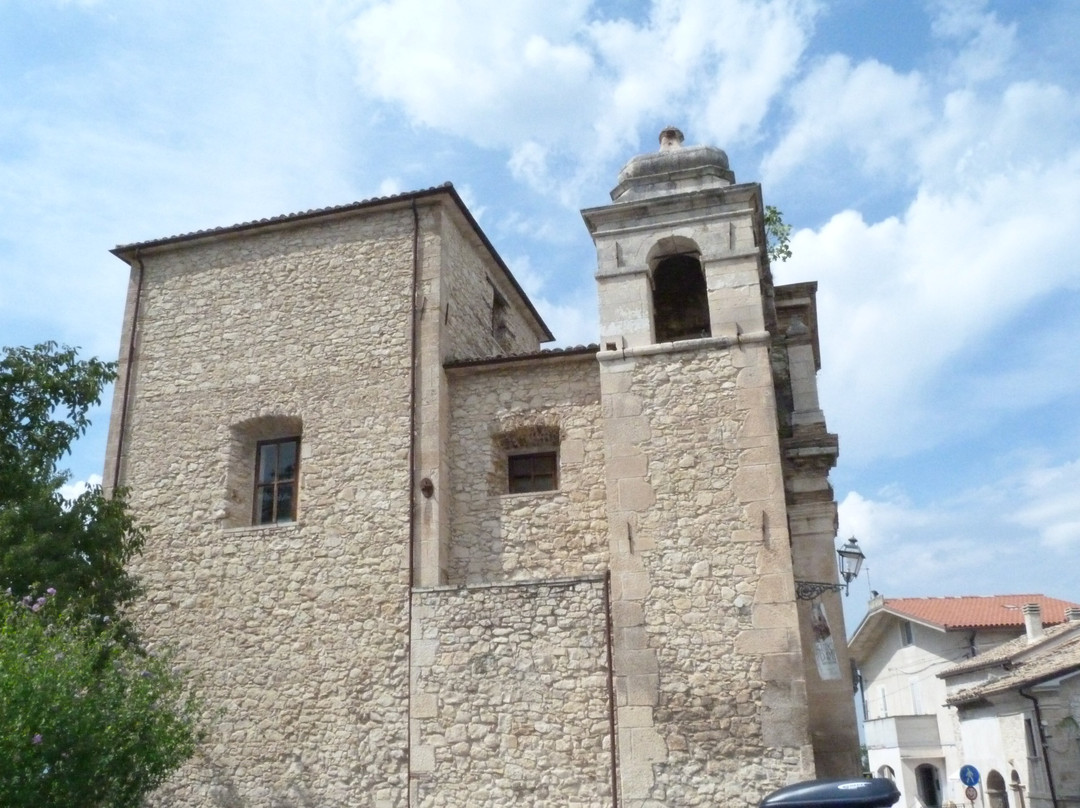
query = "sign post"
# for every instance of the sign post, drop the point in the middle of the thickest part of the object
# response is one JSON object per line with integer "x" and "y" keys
{"x": 969, "y": 776}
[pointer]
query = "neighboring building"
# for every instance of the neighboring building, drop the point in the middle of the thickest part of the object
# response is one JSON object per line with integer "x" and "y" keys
{"x": 415, "y": 560}
{"x": 1018, "y": 712}
{"x": 900, "y": 647}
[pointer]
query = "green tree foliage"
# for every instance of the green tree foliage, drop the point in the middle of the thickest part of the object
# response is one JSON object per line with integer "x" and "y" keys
{"x": 777, "y": 234}
{"x": 85, "y": 720}
{"x": 80, "y": 548}
{"x": 87, "y": 716}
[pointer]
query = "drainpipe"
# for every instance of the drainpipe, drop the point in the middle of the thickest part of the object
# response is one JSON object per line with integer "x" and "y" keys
{"x": 612, "y": 722}
{"x": 414, "y": 353}
{"x": 1045, "y": 746}
{"x": 128, "y": 372}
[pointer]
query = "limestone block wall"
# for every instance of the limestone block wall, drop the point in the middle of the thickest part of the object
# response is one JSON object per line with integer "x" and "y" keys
{"x": 297, "y": 632}
{"x": 497, "y": 536}
{"x": 471, "y": 277}
{"x": 711, "y": 701}
{"x": 511, "y": 696}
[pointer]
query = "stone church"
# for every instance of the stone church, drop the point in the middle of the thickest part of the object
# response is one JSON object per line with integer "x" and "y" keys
{"x": 413, "y": 559}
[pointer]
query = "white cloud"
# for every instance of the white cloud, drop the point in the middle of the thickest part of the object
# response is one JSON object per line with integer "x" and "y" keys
{"x": 565, "y": 92}
{"x": 986, "y": 236}
{"x": 71, "y": 491}
{"x": 492, "y": 72}
{"x": 987, "y": 44}
{"x": 1023, "y": 528}
{"x": 390, "y": 186}
{"x": 529, "y": 164}
{"x": 572, "y": 317}
{"x": 1049, "y": 506}
{"x": 902, "y": 300}
{"x": 161, "y": 137}
{"x": 866, "y": 110}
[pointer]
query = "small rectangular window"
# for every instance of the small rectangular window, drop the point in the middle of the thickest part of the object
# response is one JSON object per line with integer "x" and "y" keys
{"x": 500, "y": 323}
{"x": 1029, "y": 738}
{"x": 536, "y": 471}
{"x": 277, "y": 475}
{"x": 906, "y": 638}
{"x": 916, "y": 697}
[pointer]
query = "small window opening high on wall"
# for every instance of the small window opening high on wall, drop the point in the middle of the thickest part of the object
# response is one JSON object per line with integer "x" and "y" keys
{"x": 680, "y": 299}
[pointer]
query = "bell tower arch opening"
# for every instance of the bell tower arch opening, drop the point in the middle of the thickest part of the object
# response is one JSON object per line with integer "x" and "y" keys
{"x": 680, "y": 297}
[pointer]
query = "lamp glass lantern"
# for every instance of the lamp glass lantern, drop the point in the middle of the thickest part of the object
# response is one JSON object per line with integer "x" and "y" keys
{"x": 851, "y": 559}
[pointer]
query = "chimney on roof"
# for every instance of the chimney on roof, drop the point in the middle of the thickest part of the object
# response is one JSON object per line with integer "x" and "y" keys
{"x": 1033, "y": 625}
{"x": 1072, "y": 614}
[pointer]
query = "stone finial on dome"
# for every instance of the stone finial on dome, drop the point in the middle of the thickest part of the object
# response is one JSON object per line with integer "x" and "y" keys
{"x": 674, "y": 169}
{"x": 671, "y": 137}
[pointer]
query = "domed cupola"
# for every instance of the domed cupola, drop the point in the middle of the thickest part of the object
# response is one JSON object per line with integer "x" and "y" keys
{"x": 674, "y": 169}
{"x": 680, "y": 252}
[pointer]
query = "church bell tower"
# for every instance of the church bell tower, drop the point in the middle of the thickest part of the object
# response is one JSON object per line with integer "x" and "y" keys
{"x": 710, "y": 661}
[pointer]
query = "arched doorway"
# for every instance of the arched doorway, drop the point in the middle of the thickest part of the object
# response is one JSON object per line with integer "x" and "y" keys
{"x": 929, "y": 785}
{"x": 886, "y": 773}
{"x": 995, "y": 790}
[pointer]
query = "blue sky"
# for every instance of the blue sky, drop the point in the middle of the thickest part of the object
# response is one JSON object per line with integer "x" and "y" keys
{"x": 926, "y": 153}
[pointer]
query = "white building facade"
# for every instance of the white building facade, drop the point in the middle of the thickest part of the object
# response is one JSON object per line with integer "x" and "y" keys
{"x": 900, "y": 648}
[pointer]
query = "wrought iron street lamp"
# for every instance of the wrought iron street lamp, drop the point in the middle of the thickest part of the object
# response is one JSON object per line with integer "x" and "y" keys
{"x": 850, "y": 561}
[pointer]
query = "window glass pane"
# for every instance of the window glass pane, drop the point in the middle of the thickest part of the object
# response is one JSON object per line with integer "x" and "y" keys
{"x": 287, "y": 460}
{"x": 285, "y": 502}
{"x": 267, "y": 462}
{"x": 532, "y": 472}
{"x": 544, "y": 465}
{"x": 265, "y": 504}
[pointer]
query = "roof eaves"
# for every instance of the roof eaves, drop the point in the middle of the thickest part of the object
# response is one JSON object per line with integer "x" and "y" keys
{"x": 547, "y": 353}
{"x": 130, "y": 251}
{"x": 1014, "y": 650}
{"x": 122, "y": 250}
{"x": 1016, "y": 681}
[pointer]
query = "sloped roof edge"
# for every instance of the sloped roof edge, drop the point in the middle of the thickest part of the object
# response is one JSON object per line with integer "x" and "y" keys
{"x": 128, "y": 252}
{"x": 955, "y": 613}
{"x": 1045, "y": 663}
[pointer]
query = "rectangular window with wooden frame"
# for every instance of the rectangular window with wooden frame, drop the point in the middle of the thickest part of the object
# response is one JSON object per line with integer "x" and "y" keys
{"x": 533, "y": 471}
{"x": 277, "y": 478}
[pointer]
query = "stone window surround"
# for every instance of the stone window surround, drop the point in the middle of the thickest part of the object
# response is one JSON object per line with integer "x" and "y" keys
{"x": 244, "y": 438}
{"x": 525, "y": 435}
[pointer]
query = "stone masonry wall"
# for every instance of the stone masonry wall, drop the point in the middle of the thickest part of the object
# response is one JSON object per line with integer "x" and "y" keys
{"x": 694, "y": 618}
{"x": 296, "y": 632}
{"x": 496, "y": 536}
{"x": 470, "y": 282}
{"x": 511, "y": 701}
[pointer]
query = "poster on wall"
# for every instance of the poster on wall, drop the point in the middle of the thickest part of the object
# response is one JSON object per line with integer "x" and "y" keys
{"x": 824, "y": 651}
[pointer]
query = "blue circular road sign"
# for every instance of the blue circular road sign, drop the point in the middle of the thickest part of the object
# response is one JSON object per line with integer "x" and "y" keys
{"x": 969, "y": 775}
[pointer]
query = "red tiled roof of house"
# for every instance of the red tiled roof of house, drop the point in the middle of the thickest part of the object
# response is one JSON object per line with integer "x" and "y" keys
{"x": 978, "y": 612}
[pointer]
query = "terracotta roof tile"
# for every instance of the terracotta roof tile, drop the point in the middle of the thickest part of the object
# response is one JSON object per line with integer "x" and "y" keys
{"x": 1007, "y": 650}
{"x": 991, "y": 611}
{"x": 1041, "y": 666}
{"x": 569, "y": 350}
{"x": 284, "y": 217}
